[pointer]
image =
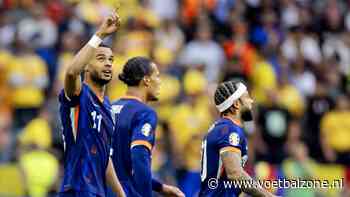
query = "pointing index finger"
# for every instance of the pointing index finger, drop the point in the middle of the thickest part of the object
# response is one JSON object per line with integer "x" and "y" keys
{"x": 116, "y": 8}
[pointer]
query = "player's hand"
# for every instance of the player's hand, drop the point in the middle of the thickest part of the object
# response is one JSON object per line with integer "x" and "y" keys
{"x": 109, "y": 25}
{"x": 169, "y": 190}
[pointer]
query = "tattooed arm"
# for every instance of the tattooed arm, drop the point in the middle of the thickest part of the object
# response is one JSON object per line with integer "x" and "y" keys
{"x": 234, "y": 171}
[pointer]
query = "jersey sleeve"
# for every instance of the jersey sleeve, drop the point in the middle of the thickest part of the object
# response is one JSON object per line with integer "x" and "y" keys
{"x": 230, "y": 140}
{"x": 143, "y": 132}
{"x": 69, "y": 101}
{"x": 156, "y": 185}
{"x": 141, "y": 166}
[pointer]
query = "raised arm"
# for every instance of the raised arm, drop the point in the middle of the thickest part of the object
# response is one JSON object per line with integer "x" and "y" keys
{"x": 234, "y": 171}
{"x": 72, "y": 81}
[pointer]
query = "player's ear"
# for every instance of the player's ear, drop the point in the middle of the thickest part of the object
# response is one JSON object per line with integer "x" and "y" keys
{"x": 236, "y": 104}
{"x": 146, "y": 80}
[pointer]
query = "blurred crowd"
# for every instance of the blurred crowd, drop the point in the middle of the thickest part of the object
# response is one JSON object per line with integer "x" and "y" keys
{"x": 293, "y": 54}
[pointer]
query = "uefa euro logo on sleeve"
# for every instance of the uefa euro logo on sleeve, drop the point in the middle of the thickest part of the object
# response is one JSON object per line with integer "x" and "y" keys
{"x": 146, "y": 129}
{"x": 234, "y": 139}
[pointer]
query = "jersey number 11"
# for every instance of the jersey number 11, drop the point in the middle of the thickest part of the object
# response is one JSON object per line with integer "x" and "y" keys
{"x": 97, "y": 118}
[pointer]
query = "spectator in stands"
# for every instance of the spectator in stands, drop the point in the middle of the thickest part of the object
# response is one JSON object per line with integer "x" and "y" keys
{"x": 304, "y": 80}
{"x": 192, "y": 119}
{"x": 299, "y": 166}
{"x": 204, "y": 51}
{"x": 37, "y": 30}
{"x": 274, "y": 122}
{"x": 28, "y": 79}
{"x": 40, "y": 167}
{"x": 7, "y": 31}
{"x": 335, "y": 133}
{"x": 317, "y": 106}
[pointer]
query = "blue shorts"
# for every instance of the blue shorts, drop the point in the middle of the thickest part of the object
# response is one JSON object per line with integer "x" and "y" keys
{"x": 77, "y": 194}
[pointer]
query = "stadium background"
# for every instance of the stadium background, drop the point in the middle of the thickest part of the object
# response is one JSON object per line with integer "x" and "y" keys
{"x": 294, "y": 54}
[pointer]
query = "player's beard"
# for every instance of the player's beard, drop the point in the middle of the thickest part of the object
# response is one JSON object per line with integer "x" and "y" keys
{"x": 95, "y": 77}
{"x": 151, "y": 97}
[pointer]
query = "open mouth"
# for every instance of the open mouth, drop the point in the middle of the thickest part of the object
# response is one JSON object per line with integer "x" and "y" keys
{"x": 107, "y": 73}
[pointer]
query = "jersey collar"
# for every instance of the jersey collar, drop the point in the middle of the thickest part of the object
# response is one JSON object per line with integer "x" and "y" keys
{"x": 131, "y": 97}
{"x": 100, "y": 98}
{"x": 234, "y": 121}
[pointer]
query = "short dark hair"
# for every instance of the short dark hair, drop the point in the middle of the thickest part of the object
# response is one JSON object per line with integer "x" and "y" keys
{"x": 135, "y": 70}
{"x": 223, "y": 91}
{"x": 105, "y": 46}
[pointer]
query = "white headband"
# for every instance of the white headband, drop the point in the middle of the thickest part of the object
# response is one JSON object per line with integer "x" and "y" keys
{"x": 236, "y": 95}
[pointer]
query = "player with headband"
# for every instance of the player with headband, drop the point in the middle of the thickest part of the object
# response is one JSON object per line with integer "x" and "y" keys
{"x": 224, "y": 148}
